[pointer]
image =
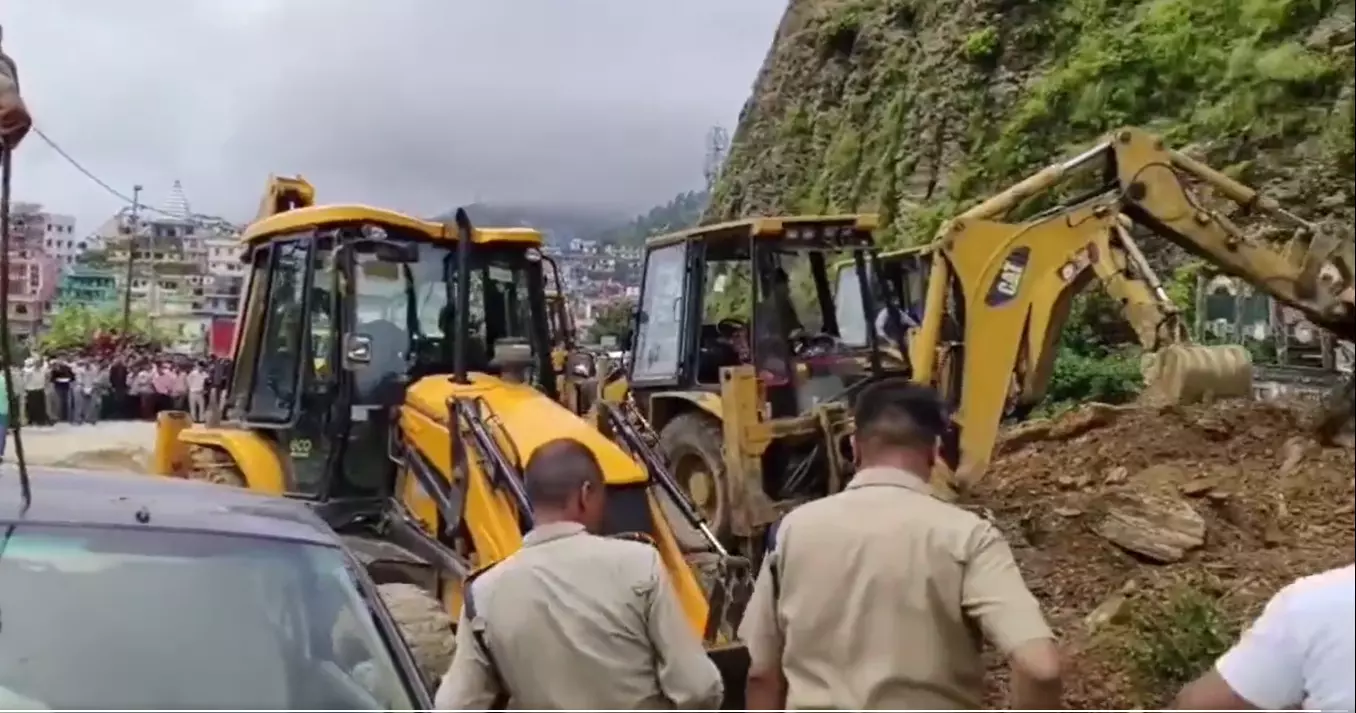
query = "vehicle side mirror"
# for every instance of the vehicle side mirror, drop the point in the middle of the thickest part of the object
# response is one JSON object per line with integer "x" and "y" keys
{"x": 357, "y": 351}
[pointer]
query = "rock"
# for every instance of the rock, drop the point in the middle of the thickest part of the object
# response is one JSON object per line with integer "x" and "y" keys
{"x": 1199, "y": 487}
{"x": 1292, "y": 454}
{"x": 1086, "y": 418}
{"x": 1161, "y": 475}
{"x": 1027, "y": 432}
{"x": 1111, "y": 611}
{"x": 1214, "y": 428}
{"x": 1117, "y": 475}
{"x": 1157, "y": 524}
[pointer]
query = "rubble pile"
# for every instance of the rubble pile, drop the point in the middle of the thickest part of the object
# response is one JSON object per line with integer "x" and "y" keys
{"x": 1116, "y": 510}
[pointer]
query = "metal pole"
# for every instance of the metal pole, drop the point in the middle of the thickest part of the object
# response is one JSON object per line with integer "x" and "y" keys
{"x": 131, "y": 260}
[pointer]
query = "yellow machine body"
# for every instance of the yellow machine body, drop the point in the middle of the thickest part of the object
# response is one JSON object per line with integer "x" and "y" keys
{"x": 731, "y": 429}
{"x": 1016, "y": 278}
{"x": 440, "y": 520}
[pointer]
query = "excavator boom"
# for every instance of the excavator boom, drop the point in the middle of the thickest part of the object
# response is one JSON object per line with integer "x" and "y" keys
{"x": 1149, "y": 187}
{"x": 284, "y": 194}
{"x": 999, "y": 292}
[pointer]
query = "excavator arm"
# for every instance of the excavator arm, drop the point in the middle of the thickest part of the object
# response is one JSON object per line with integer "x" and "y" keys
{"x": 1009, "y": 285}
{"x": 284, "y": 194}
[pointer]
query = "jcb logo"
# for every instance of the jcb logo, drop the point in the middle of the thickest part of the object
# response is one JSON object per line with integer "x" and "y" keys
{"x": 1008, "y": 282}
{"x": 300, "y": 448}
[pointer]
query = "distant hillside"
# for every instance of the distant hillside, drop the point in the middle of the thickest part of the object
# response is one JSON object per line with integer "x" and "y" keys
{"x": 558, "y": 222}
{"x": 684, "y": 211}
{"x": 565, "y": 223}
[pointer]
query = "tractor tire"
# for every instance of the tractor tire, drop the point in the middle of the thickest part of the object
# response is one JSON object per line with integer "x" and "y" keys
{"x": 689, "y": 443}
{"x": 214, "y": 465}
{"x": 427, "y": 628}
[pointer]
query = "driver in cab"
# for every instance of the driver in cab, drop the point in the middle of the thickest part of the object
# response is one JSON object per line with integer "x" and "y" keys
{"x": 776, "y": 316}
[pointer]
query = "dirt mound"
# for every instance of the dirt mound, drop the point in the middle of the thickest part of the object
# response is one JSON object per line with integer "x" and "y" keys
{"x": 1150, "y": 535}
{"x": 132, "y": 460}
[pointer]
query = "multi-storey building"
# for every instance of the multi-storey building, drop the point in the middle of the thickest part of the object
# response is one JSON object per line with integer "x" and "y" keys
{"x": 60, "y": 241}
{"x": 186, "y": 267}
{"x": 88, "y": 286}
{"x": 32, "y": 272}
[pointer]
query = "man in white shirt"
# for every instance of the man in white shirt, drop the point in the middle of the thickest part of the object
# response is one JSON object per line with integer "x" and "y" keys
{"x": 1300, "y": 653}
{"x": 197, "y": 393}
{"x": 35, "y": 393}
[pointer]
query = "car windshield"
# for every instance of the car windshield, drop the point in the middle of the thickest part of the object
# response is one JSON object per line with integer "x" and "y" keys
{"x": 144, "y": 619}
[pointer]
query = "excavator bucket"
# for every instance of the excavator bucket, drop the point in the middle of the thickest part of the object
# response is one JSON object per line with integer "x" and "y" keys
{"x": 1185, "y": 374}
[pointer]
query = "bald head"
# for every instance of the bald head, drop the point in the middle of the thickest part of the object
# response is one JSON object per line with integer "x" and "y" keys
{"x": 558, "y": 471}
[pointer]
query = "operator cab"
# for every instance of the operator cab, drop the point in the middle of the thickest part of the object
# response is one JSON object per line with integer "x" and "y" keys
{"x": 346, "y": 306}
{"x": 902, "y": 274}
{"x": 758, "y": 292}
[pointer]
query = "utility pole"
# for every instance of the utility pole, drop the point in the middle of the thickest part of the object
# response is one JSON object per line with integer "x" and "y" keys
{"x": 131, "y": 260}
{"x": 717, "y": 147}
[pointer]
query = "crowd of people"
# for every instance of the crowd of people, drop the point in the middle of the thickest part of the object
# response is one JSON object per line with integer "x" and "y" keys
{"x": 81, "y": 388}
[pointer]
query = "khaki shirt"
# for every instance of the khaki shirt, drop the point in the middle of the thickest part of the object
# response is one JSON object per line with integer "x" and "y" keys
{"x": 884, "y": 593}
{"x": 576, "y": 621}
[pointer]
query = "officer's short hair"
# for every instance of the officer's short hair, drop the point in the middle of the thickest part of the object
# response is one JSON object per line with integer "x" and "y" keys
{"x": 558, "y": 469}
{"x": 896, "y": 413}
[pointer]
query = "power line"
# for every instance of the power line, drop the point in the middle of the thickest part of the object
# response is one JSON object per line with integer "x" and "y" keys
{"x": 79, "y": 167}
{"x": 101, "y": 182}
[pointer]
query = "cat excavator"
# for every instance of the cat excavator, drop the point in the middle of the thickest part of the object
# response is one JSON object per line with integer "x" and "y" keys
{"x": 998, "y": 290}
{"x": 992, "y": 293}
{"x": 1175, "y": 371}
{"x": 410, "y": 432}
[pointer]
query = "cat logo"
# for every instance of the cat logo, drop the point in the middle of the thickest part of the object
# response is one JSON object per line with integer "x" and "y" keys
{"x": 1009, "y": 280}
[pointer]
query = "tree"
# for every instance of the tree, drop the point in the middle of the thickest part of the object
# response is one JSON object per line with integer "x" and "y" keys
{"x": 78, "y": 326}
{"x": 612, "y": 320}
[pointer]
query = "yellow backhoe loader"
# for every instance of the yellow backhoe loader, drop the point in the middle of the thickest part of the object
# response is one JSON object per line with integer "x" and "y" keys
{"x": 1175, "y": 371}
{"x": 752, "y": 432}
{"x": 998, "y": 290}
{"x": 751, "y": 412}
{"x": 410, "y": 433}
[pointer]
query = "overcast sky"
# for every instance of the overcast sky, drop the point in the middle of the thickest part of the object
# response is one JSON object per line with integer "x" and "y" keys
{"x": 413, "y": 104}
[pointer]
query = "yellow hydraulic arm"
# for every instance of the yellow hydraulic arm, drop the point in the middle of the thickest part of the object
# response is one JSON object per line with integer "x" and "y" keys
{"x": 1014, "y": 281}
{"x": 284, "y": 194}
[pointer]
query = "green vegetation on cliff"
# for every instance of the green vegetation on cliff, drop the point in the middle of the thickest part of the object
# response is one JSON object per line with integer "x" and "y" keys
{"x": 913, "y": 109}
{"x": 683, "y": 211}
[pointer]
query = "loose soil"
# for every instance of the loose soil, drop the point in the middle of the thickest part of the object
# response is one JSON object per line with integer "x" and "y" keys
{"x": 1230, "y": 491}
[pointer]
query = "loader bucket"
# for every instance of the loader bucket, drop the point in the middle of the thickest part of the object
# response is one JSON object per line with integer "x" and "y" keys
{"x": 1186, "y": 374}
{"x": 733, "y": 663}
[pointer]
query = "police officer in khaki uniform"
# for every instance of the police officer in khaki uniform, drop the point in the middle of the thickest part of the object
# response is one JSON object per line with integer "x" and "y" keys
{"x": 872, "y": 598}
{"x": 573, "y": 620}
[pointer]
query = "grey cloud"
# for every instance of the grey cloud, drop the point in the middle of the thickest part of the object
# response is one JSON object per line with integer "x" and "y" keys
{"x": 415, "y": 104}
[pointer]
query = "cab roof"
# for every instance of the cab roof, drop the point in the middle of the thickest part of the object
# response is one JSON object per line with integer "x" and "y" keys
{"x": 89, "y": 498}
{"x": 766, "y": 228}
{"x": 329, "y": 216}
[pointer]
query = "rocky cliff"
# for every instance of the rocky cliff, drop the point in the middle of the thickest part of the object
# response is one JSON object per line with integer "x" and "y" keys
{"x": 911, "y": 108}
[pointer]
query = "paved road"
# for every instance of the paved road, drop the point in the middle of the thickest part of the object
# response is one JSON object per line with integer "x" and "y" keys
{"x": 110, "y": 445}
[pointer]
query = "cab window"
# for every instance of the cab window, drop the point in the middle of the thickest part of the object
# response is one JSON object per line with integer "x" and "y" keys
{"x": 659, "y": 337}
{"x": 272, "y": 395}
{"x": 852, "y": 319}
